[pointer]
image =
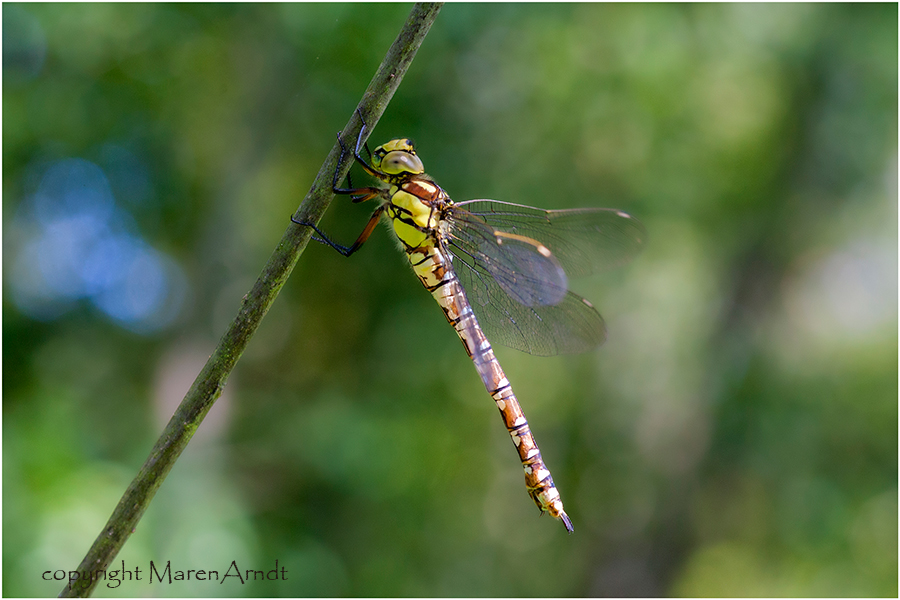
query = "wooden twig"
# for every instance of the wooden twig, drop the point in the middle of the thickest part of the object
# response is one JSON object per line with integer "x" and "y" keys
{"x": 211, "y": 380}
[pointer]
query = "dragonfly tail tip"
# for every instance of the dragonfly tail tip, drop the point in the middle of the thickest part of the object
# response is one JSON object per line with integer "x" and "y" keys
{"x": 567, "y": 522}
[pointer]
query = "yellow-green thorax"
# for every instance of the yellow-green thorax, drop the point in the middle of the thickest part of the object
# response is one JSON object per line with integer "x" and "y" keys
{"x": 415, "y": 200}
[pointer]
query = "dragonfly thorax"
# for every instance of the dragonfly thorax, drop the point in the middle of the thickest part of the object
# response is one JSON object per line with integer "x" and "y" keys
{"x": 397, "y": 157}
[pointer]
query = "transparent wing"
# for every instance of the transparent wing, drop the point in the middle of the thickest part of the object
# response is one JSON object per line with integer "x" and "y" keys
{"x": 583, "y": 240}
{"x": 568, "y": 327}
{"x": 513, "y": 263}
{"x": 523, "y": 269}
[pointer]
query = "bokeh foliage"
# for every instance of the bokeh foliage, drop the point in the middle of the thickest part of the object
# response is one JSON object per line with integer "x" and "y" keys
{"x": 737, "y": 435}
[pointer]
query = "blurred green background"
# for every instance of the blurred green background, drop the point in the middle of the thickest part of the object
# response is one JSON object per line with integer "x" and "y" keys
{"x": 736, "y": 436}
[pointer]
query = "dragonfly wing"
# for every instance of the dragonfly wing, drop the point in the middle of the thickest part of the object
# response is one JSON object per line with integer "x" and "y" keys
{"x": 523, "y": 268}
{"x": 583, "y": 240}
{"x": 569, "y": 327}
{"x": 517, "y": 289}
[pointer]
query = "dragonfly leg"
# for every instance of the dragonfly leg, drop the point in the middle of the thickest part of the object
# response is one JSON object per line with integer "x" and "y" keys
{"x": 356, "y": 194}
{"x": 345, "y": 250}
{"x": 359, "y": 138}
{"x": 356, "y": 155}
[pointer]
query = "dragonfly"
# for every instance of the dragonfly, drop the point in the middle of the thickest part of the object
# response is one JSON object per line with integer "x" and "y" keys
{"x": 498, "y": 271}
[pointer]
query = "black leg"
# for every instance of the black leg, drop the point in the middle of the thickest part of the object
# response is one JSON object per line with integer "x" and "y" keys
{"x": 356, "y": 195}
{"x": 345, "y": 250}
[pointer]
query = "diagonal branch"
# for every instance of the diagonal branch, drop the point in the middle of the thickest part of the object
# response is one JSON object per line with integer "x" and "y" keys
{"x": 209, "y": 383}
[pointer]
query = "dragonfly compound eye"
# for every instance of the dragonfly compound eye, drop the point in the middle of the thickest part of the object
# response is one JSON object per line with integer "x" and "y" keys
{"x": 401, "y": 161}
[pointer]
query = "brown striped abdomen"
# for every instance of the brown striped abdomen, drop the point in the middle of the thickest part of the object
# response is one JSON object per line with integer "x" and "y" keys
{"x": 436, "y": 275}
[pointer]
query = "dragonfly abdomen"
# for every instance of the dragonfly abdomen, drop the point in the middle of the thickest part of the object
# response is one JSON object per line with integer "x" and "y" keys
{"x": 433, "y": 269}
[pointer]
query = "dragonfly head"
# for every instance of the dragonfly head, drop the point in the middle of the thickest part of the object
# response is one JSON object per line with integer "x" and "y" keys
{"x": 397, "y": 157}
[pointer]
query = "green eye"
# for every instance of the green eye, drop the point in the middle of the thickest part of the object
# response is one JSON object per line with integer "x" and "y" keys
{"x": 401, "y": 162}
